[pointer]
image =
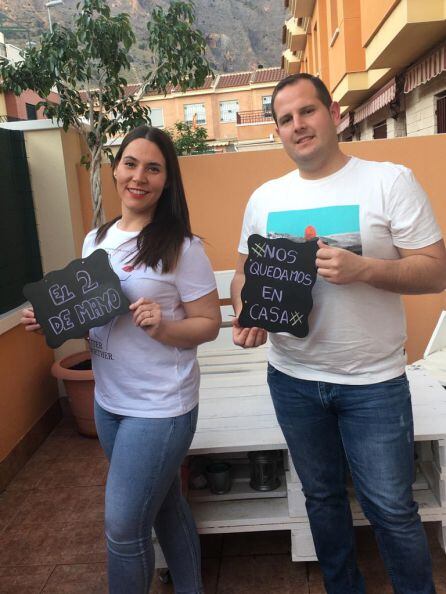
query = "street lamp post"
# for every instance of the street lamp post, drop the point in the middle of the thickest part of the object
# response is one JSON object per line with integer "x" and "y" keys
{"x": 48, "y": 6}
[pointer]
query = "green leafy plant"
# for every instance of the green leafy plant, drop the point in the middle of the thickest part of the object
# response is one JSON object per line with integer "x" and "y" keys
{"x": 87, "y": 64}
{"x": 188, "y": 138}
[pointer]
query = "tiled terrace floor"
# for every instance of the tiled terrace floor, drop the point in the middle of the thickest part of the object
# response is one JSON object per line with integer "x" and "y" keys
{"x": 51, "y": 538}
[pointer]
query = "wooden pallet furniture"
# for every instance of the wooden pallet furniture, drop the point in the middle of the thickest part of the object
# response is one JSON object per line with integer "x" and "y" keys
{"x": 434, "y": 357}
{"x": 237, "y": 416}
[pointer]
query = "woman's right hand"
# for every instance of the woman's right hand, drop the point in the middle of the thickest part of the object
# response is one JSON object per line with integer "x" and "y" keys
{"x": 29, "y": 321}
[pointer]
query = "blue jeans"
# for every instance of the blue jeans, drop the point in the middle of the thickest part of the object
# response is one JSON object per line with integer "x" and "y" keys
{"x": 143, "y": 491}
{"x": 367, "y": 429}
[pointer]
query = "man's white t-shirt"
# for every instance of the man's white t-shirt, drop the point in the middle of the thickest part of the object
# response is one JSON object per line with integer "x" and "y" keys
{"x": 357, "y": 332}
{"x": 136, "y": 375}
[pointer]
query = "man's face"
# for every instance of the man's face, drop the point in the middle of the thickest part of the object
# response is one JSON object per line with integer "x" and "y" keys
{"x": 306, "y": 127}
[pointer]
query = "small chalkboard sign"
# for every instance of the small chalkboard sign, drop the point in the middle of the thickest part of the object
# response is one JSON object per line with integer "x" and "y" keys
{"x": 279, "y": 277}
{"x": 85, "y": 294}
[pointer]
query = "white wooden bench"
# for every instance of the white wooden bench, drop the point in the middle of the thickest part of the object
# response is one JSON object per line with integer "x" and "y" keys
{"x": 237, "y": 416}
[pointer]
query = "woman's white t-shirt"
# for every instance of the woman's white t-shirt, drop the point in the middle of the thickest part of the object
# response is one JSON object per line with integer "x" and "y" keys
{"x": 136, "y": 375}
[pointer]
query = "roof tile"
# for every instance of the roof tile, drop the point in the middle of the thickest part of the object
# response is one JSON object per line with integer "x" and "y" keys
{"x": 264, "y": 75}
{"x": 222, "y": 81}
{"x": 234, "y": 79}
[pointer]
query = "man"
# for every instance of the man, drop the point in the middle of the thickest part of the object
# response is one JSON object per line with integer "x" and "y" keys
{"x": 340, "y": 394}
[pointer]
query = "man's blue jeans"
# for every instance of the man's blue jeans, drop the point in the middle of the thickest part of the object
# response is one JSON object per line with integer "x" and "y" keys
{"x": 367, "y": 429}
{"x": 143, "y": 490}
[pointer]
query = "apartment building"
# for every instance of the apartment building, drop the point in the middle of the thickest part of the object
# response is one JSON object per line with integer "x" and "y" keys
{"x": 384, "y": 61}
{"x": 234, "y": 108}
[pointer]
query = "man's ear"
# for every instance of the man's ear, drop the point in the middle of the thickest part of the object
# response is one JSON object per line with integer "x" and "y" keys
{"x": 335, "y": 112}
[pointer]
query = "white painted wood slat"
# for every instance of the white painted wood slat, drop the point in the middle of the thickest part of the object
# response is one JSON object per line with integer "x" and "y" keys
{"x": 237, "y": 415}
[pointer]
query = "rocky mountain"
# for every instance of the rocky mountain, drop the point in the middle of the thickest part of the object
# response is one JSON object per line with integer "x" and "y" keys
{"x": 240, "y": 34}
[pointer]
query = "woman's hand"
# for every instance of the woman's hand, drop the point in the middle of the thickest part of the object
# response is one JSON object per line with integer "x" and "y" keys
{"x": 147, "y": 314}
{"x": 29, "y": 321}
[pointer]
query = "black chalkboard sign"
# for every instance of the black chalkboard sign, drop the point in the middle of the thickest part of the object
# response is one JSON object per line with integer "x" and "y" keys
{"x": 85, "y": 294}
{"x": 279, "y": 277}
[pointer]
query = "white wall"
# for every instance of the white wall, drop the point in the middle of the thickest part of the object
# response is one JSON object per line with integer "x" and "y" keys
{"x": 421, "y": 106}
{"x": 395, "y": 128}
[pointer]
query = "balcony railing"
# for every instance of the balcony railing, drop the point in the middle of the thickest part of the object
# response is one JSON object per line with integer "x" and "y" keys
{"x": 256, "y": 116}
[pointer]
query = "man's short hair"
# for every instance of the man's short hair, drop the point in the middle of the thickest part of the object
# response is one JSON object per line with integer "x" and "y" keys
{"x": 321, "y": 90}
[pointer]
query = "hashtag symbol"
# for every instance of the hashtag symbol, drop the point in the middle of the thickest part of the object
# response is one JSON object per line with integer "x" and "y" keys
{"x": 296, "y": 317}
{"x": 259, "y": 249}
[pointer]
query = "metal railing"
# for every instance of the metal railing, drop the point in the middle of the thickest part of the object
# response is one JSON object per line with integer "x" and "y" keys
{"x": 256, "y": 116}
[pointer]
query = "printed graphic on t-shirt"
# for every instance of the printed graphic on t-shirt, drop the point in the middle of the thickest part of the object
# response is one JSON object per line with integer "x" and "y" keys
{"x": 337, "y": 226}
{"x": 96, "y": 346}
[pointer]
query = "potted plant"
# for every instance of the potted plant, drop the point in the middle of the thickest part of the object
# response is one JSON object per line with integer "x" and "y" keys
{"x": 76, "y": 373}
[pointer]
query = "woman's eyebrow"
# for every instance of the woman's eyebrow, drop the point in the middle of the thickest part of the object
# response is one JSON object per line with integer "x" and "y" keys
{"x": 149, "y": 162}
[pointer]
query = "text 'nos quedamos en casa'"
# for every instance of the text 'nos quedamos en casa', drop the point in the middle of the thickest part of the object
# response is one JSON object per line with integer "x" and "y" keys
{"x": 279, "y": 277}
{"x": 85, "y": 294}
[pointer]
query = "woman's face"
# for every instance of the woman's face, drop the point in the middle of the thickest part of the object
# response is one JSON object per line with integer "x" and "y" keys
{"x": 140, "y": 176}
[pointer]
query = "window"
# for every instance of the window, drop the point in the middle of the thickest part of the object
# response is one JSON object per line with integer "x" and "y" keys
{"x": 441, "y": 113}
{"x": 266, "y": 105}
{"x": 157, "y": 117}
{"x": 228, "y": 111}
{"x": 380, "y": 130}
{"x": 195, "y": 109}
{"x": 31, "y": 111}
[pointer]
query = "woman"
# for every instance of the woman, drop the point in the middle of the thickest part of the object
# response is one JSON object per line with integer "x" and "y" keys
{"x": 145, "y": 367}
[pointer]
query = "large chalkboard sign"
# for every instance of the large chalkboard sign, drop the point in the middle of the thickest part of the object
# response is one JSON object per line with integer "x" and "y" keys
{"x": 279, "y": 277}
{"x": 85, "y": 294}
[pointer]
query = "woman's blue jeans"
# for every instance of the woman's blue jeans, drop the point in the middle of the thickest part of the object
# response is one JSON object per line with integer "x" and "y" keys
{"x": 369, "y": 430}
{"x": 144, "y": 491}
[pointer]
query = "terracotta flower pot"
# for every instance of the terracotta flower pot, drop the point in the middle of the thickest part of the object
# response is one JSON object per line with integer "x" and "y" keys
{"x": 77, "y": 376}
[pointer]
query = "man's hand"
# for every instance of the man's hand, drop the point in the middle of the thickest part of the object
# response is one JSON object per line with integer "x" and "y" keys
{"x": 248, "y": 337}
{"x": 339, "y": 266}
{"x": 244, "y": 337}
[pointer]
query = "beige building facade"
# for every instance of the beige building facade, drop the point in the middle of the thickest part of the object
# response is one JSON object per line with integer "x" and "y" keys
{"x": 234, "y": 108}
{"x": 383, "y": 61}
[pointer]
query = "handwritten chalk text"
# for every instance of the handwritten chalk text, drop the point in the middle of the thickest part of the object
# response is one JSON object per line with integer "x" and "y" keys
{"x": 87, "y": 311}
